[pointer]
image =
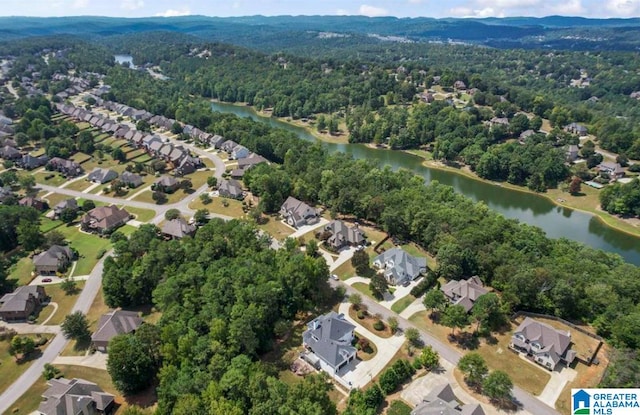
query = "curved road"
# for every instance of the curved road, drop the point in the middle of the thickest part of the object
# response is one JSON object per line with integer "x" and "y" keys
{"x": 528, "y": 402}
{"x": 55, "y": 346}
{"x": 94, "y": 282}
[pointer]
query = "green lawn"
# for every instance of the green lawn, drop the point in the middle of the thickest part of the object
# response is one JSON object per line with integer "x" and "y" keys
{"x": 127, "y": 229}
{"x": 363, "y": 288}
{"x": 234, "y": 208}
{"x": 402, "y": 303}
{"x": 21, "y": 271}
{"x": 47, "y": 224}
{"x": 345, "y": 271}
{"x": 399, "y": 408}
{"x": 55, "y": 198}
{"x": 276, "y": 228}
{"x": 56, "y": 180}
{"x": 142, "y": 215}
{"x": 65, "y": 302}
{"x": 44, "y": 314}
{"x": 79, "y": 185}
{"x": 10, "y": 369}
{"x": 88, "y": 246}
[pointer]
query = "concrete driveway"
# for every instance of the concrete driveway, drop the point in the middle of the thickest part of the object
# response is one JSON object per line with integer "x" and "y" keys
{"x": 401, "y": 291}
{"x": 559, "y": 378}
{"x": 362, "y": 372}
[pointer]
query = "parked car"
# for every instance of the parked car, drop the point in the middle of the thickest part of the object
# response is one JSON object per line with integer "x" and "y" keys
{"x": 335, "y": 277}
{"x": 46, "y": 280}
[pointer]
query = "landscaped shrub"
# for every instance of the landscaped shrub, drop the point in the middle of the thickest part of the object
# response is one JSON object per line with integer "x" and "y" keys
{"x": 378, "y": 325}
{"x": 361, "y": 314}
{"x": 427, "y": 282}
{"x": 101, "y": 253}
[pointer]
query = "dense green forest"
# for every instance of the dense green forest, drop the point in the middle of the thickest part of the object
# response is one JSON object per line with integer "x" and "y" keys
{"x": 224, "y": 296}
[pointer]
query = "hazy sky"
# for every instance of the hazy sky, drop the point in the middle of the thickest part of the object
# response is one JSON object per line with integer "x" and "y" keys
{"x": 400, "y": 8}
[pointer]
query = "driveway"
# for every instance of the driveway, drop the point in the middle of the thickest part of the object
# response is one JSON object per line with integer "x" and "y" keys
{"x": 307, "y": 228}
{"x": 400, "y": 292}
{"x": 413, "y": 308}
{"x": 559, "y": 378}
{"x": 362, "y": 372}
{"x": 33, "y": 373}
{"x": 96, "y": 360}
{"x": 344, "y": 256}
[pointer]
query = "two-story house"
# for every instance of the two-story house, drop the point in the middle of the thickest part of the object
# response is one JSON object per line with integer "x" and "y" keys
{"x": 298, "y": 213}
{"x": 546, "y": 345}
{"x": 329, "y": 338}
{"x": 399, "y": 267}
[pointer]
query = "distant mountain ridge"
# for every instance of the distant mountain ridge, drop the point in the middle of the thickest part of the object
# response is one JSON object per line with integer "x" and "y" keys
{"x": 527, "y": 32}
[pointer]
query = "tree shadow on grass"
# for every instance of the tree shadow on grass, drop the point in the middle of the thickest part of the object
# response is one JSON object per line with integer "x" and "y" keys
{"x": 466, "y": 340}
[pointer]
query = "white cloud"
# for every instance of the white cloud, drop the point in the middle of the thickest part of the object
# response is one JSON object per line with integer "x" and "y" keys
{"x": 417, "y": 1}
{"x": 469, "y": 12}
{"x": 372, "y": 11}
{"x": 132, "y": 4}
{"x": 571, "y": 8}
{"x": 507, "y": 4}
{"x": 342, "y": 12}
{"x": 624, "y": 8}
{"x": 80, "y": 4}
{"x": 174, "y": 13}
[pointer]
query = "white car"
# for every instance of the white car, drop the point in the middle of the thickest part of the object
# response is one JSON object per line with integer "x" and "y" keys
{"x": 335, "y": 277}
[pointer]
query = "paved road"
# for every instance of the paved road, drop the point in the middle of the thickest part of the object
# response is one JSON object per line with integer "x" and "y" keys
{"x": 448, "y": 353}
{"x": 34, "y": 372}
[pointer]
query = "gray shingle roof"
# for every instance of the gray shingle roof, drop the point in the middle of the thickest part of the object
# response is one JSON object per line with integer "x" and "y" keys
{"x": 178, "y": 228}
{"x": 328, "y": 329}
{"x": 114, "y": 323}
{"x": 400, "y": 265}
{"x": 73, "y": 396}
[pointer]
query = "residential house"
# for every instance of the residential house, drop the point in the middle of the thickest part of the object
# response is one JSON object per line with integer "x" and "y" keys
{"x": 188, "y": 165}
{"x": 6, "y": 195}
{"x": 131, "y": 180}
{"x": 459, "y": 85}
{"x": 524, "y": 135}
{"x": 343, "y": 235}
{"x": 155, "y": 146}
{"x": 54, "y": 259}
{"x": 10, "y": 153}
{"x": 464, "y": 292}
{"x": 231, "y": 189}
{"x": 38, "y": 204}
{"x": 228, "y": 146}
{"x": 9, "y": 142}
{"x": 216, "y": 141}
{"x": 21, "y": 303}
{"x": 251, "y": 161}
{"x": 427, "y": 97}
{"x": 166, "y": 184}
{"x": 547, "y": 346}
{"x": 442, "y": 401}
{"x": 610, "y": 170}
{"x": 329, "y": 338}
{"x": 298, "y": 213}
{"x": 75, "y": 397}
{"x": 112, "y": 324}
{"x": 104, "y": 219}
{"x": 66, "y": 167}
{"x": 239, "y": 152}
{"x": 178, "y": 228}
{"x": 102, "y": 176}
{"x": 237, "y": 173}
{"x": 499, "y": 121}
{"x": 572, "y": 153}
{"x": 149, "y": 140}
{"x": 399, "y": 267}
{"x": 575, "y": 128}
{"x": 29, "y": 162}
{"x": 65, "y": 204}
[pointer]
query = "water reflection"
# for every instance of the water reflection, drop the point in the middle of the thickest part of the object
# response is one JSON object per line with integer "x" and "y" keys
{"x": 535, "y": 210}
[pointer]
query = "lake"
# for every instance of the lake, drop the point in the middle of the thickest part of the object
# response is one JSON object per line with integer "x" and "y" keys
{"x": 555, "y": 221}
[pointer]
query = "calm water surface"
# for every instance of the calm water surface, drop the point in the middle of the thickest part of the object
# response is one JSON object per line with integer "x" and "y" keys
{"x": 534, "y": 210}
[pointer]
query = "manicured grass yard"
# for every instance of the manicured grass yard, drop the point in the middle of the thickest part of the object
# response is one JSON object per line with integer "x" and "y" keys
{"x": 79, "y": 185}
{"x": 127, "y": 229}
{"x": 498, "y": 356}
{"x": 402, "y": 303}
{"x": 142, "y": 215}
{"x": 98, "y": 308}
{"x": 65, "y": 302}
{"x": 31, "y": 399}
{"x": 10, "y": 369}
{"x": 234, "y": 208}
{"x": 47, "y": 224}
{"x": 80, "y": 158}
{"x": 88, "y": 246}
{"x": 44, "y": 314}
{"x": 345, "y": 271}
{"x": 21, "y": 271}
{"x": 368, "y": 321}
{"x": 56, "y": 180}
{"x": 276, "y": 228}
{"x": 363, "y": 288}
{"x": 584, "y": 345}
{"x": 399, "y": 408}
{"x": 55, "y": 198}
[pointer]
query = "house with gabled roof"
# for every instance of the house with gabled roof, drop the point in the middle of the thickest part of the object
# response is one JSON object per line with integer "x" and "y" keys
{"x": 442, "y": 401}
{"x": 54, "y": 259}
{"x": 65, "y": 204}
{"x": 298, "y": 213}
{"x": 112, "y": 324}
{"x": 575, "y": 128}
{"x": 38, "y": 204}
{"x": 67, "y": 167}
{"x": 178, "y": 228}
{"x": 102, "y": 176}
{"x": 29, "y": 162}
{"x": 610, "y": 170}
{"x": 546, "y": 345}
{"x": 400, "y": 267}
{"x": 166, "y": 184}
{"x": 21, "y": 303}
{"x": 239, "y": 152}
{"x": 231, "y": 189}
{"x": 10, "y": 153}
{"x": 329, "y": 338}
{"x": 131, "y": 180}
{"x": 104, "y": 219}
{"x": 464, "y": 292}
{"x": 75, "y": 397}
{"x": 228, "y": 146}
{"x": 251, "y": 161}
{"x": 343, "y": 235}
